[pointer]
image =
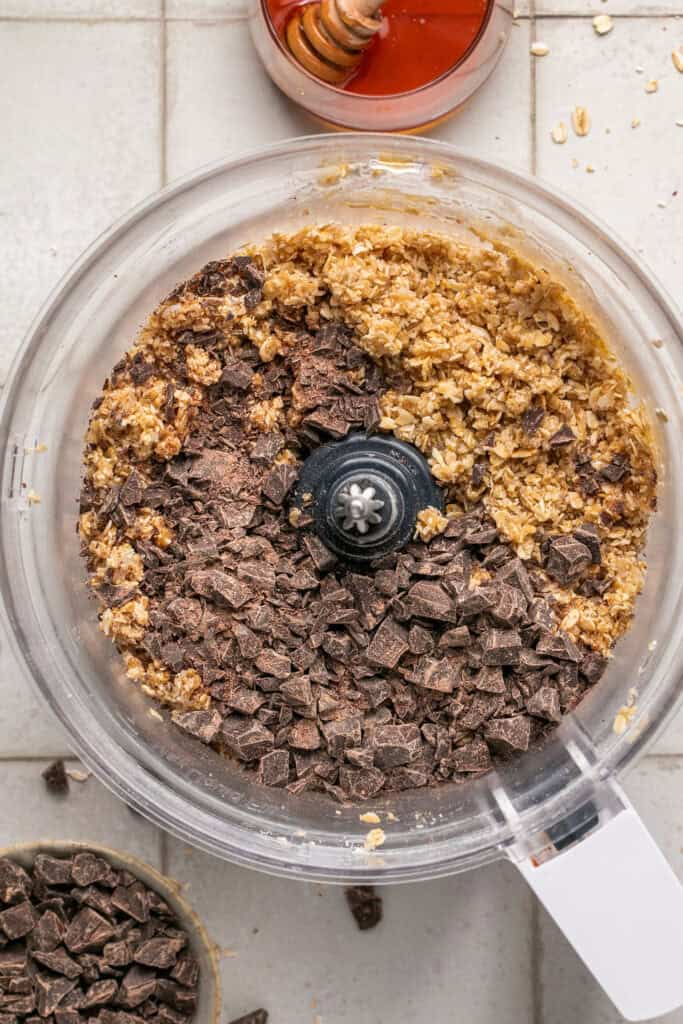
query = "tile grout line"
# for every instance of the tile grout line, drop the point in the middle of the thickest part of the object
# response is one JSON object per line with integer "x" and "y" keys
{"x": 532, "y": 86}
{"x": 237, "y": 18}
{"x": 163, "y": 95}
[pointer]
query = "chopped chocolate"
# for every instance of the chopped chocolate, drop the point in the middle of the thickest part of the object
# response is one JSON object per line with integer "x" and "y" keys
{"x": 255, "y": 1017}
{"x": 341, "y": 734}
{"x": 86, "y": 869}
{"x": 509, "y": 734}
{"x": 50, "y": 991}
{"x": 472, "y": 757}
{"x": 18, "y": 920}
{"x": 459, "y": 636}
{"x": 304, "y": 735}
{"x": 588, "y": 534}
{"x": 48, "y": 932}
{"x": 532, "y": 419}
{"x": 137, "y": 985}
{"x": 388, "y": 645}
{"x": 279, "y": 482}
{"x": 395, "y": 745}
{"x": 567, "y": 558}
{"x": 558, "y": 645}
{"x": 274, "y": 664}
{"x": 365, "y": 905}
{"x": 501, "y": 647}
{"x": 617, "y": 468}
{"x": 159, "y": 952}
{"x": 361, "y": 783}
{"x": 565, "y": 435}
{"x": 15, "y": 884}
{"x": 545, "y": 703}
{"x": 204, "y": 725}
{"x": 247, "y": 740}
{"x": 56, "y": 779}
{"x": 429, "y": 600}
{"x": 88, "y": 930}
{"x": 274, "y": 768}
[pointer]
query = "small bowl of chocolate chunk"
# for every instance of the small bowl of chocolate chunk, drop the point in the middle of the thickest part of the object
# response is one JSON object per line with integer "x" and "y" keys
{"x": 90, "y": 934}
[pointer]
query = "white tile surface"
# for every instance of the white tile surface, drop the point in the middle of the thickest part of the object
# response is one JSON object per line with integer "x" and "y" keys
{"x": 89, "y": 813}
{"x": 245, "y": 108}
{"x": 494, "y": 122}
{"x": 206, "y": 8}
{"x": 588, "y": 8}
{"x": 26, "y": 725}
{"x": 80, "y": 139}
{"x": 568, "y": 992}
{"x": 636, "y": 169}
{"x": 80, "y": 8}
{"x": 299, "y": 952}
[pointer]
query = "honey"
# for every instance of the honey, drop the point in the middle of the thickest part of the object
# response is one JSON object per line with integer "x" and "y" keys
{"x": 418, "y": 42}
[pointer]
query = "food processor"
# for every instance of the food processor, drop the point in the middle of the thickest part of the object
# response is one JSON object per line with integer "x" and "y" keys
{"x": 558, "y": 812}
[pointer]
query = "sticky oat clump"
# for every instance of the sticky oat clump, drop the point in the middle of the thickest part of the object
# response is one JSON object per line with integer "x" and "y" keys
{"x": 482, "y": 360}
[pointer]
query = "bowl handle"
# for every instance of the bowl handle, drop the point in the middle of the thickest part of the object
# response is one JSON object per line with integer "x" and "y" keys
{"x": 615, "y": 897}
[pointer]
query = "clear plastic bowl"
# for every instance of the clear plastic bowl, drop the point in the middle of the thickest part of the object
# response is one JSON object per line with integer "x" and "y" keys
{"x": 85, "y": 327}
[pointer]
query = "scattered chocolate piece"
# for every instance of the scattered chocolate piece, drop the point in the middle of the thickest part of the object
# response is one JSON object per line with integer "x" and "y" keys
{"x": 279, "y": 482}
{"x": 502, "y": 647}
{"x": 532, "y": 419}
{"x": 617, "y": 468}
{"x": 365, "y": 905}
{"x": 592, "y": 666}
{"x": 255, "y": 1017}
{"x": 204, "y": 725}
{"x": 588, "y": 534}
{"x": 509, "y": 734}
{"x": 18, "y": 920}
{"x": 388, "y": 644}
{"x": 565, "y": 435}
{"x": 56, "y": 779}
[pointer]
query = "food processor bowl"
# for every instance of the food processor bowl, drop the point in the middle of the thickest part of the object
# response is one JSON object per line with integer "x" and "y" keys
{"x": 538, "y": 809}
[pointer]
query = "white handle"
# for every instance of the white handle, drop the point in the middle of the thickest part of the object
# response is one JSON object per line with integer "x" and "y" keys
{"x": 621, "y": 906}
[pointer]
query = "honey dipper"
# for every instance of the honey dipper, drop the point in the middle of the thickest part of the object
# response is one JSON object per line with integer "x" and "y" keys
{"x": 328, "y": 37}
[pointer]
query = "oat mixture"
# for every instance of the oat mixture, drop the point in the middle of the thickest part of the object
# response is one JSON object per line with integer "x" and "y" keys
{"x": 465, "y": 647}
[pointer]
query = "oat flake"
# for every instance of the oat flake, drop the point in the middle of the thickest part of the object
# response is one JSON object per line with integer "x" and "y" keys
{"x": 559, "y": 133}
{"x": 602, "y": 23}
{"x": 539, "y": 49}
{"x": 581, "y": 121}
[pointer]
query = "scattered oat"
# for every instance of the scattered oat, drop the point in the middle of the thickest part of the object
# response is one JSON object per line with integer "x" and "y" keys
{"x": 635, "y": 123}
{"x": 652, "y": 644}
{"x": 658, "y": 343}
{"x": 652, "y": 85}
{"x": 369, "y": 818}
{"x": 677, "y": 58}
{"x": 661, "y": 204}
{"x": 559, "y": 133}
{"x": 590, "y": 169}
{"x": 581, "y": 121}
{"x": 391, "y": 816}
{"x": 679, "y": 123}
{"x": 374, "y": 838}
{"x": 226, "y": 954}
{"x": 153, "y": 713}
{"x": 33, "y": 498}
{"x": 661, "y": 414}
{"x": 575, "y": 162}
{"x": 78, "y": 776}
{"x": 602, "y": 23}
{"x": 625, "y": 714}
{"x": 539, "y": 49}
{"x": 37, "y": 449}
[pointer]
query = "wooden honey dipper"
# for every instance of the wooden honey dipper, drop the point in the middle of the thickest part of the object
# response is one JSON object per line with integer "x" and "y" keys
{"x": 328, "y": 38}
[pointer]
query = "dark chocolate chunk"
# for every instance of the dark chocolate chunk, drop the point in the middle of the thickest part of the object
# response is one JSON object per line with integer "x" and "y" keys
{"x": 304, "y": 735}
{"x": 420, "y": 640}
{"x": 567, "y": 558}
{"x": 204, "y": 725}
{"x": 618, "y": 467}
{"x": 558, "y": 645}
{"x": 509, "y": 734}
{"x": 388, "y": 645}
{"x": 361, "y": 783}
{"x": 88, "y": 930}
{"x": 588, "y": 534}
{"x": 458, "y": 637}
{"x": 117, "y": 954}
{"x": 322, "y": 557}
{"x": 100, "y": 993}
{"x": 52, "y": 870}
{"x": 137, "y": 985}
{"x": 178, "y": 996}
{"x": 132, "y": 489}
{"x": 57, "y": 961}
{"x": 565, "y": 435}
{"x": 18, "y": 920}
{"x": 273, "y": 771}
{"x": 592, "y": 666}
{"x": 221, "y": 586}
{"x": 86, "y": 869}
{"x": 342, "y": 733}
{"x": 15, "y": 884}
{"x": 56, "y": 779}
{"x": 273, "y": 664}
{"x": 472, "y": 757}
{"x": 132, "y": 901}
{"x": 475, "y": 601}
{"x": 365, "y": 905}
{"x": 50, "y": 991}
{"x": 532, "y": 419}
{"x": 396, "y": 745}
{"x": 508, "y": 604}
{"x": 501, "y": 647}
{"x": 429, "y": 600}
{"x": 237, "y": 374}
{"x": 255, "y": 1017}
{"x": 514, "y": 573}
{"x": 48, "y": 932}
{"x": 13, "y": 960}
{"x": 266, "y": 448}
{"x": 159, "y": 952}
{"x": 545, "y": 703}
{"x": 247, "y": 740}
{"x": 489, "y": 679}
{"x": 279, "y": 482}
{"x": 186, "y": 970}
